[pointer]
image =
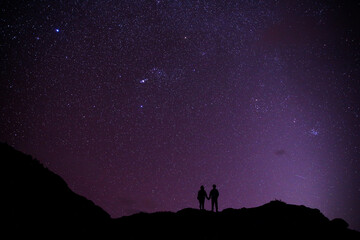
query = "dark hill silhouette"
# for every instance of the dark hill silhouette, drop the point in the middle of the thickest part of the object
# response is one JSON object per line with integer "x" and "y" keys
{"x": 272, "y": 220}
{"x": 38, "y": 203}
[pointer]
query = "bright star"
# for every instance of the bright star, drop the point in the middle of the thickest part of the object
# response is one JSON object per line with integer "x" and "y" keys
{"x": 57, "y": 30}
{"x": 144, "y": 80}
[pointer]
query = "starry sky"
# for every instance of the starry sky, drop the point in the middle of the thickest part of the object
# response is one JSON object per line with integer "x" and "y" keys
{"x": 137, "y": 103}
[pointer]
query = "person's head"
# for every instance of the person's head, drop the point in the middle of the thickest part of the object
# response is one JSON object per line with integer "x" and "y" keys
{"x": 214, "y": 186}
{"x": 202, "y": 187}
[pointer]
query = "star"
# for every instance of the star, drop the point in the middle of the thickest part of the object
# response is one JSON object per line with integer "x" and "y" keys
{"x": 144, "y": 80}
{"x": 314, "y": 132}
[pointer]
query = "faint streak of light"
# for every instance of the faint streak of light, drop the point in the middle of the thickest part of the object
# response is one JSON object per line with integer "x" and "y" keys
{"x": 299, "y": 176}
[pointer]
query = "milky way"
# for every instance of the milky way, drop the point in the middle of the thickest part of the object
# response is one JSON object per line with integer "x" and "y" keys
{"x": 138, "y": 103}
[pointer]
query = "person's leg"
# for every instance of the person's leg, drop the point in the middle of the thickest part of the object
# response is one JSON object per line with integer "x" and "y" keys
{"x": 212, "y": 205}
{"x": 216, "y": 205}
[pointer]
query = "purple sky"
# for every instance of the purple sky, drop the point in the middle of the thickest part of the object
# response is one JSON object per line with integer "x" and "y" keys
{"x": 138, "y": 103}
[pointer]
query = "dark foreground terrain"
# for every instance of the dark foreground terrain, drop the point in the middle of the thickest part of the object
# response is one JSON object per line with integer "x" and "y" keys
{"x": 36, "y": 203}
{"x": 275, "y": 219}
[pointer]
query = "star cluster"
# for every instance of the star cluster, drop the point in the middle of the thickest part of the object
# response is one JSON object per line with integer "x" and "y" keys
{"x": 138, "y": 103}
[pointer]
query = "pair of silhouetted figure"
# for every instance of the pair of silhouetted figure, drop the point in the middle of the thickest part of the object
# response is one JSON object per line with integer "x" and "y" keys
{"x": 214, "y": 194}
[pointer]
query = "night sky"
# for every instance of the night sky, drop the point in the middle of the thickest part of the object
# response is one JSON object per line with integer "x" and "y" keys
{"x": 138, "y": 103}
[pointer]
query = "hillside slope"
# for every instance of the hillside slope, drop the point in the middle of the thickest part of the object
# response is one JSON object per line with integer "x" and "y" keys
{"x": 35, "y": 201}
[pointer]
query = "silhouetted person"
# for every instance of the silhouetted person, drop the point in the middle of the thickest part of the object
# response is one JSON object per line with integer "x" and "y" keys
{"x": 214, "y": 194}
{"x": 201, "y": 197}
